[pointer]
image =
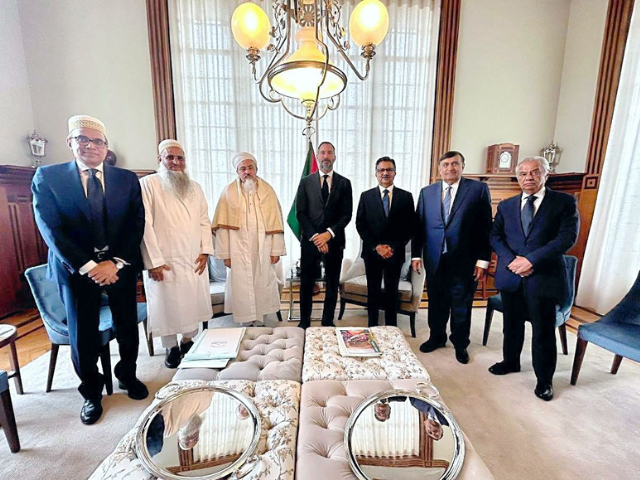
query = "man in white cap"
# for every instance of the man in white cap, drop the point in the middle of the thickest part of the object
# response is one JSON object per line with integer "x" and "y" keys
{"x": 250, "y": 239}
{"x": 175, "y": 249}
{"x": 91, "y": 216}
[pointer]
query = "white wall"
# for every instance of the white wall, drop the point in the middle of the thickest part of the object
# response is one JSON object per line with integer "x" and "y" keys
{"x": 91, "y": 58}
{"x": 16, "y": 115}
{"x": 509, "y": 70}
{"x": 579, "y": 81}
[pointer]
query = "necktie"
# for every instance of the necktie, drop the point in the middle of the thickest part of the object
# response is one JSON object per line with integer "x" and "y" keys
{"x": 325, "y": 188}
{"x": 95, "y": 195}
{"x": 385, "y": 202}
{"x": 527, "y": 215}
{"x": 446, "y": 206}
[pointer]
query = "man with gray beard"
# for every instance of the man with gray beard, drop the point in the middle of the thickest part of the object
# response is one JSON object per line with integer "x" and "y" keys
{"x": 250, "y": 239}
{"x": 176, "y": 245}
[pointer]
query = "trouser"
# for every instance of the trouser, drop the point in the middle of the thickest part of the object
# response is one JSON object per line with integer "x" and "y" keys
{"x": 309, "y": 267}
{"x": 81, "y": 297}
{"x": 377, "y": 269}
{"x": 450, "y": 293}
{"x": 541, "y": 312}
{"x": 170, "y": 341}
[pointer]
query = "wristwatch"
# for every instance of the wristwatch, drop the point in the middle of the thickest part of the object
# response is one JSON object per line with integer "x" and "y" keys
{"x": 118, "y": 264}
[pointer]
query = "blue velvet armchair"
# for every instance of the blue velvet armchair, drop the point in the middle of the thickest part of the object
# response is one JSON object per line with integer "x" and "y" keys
{"x": 618, "y": 331}
{"x": 563, "y": 309}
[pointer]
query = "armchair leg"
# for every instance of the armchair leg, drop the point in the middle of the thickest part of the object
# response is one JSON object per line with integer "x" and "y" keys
{"x": 105, "y": 357}
{"x": 616, "y": 364}
{"x": 343, "y": 304}
{"x": 148, "y": 337}
{"x": 8, "y": 421}
{"x": 52, "y": 365}
{"x": 412, "y": 324}
{"x": 562, "y": 330}
{"x": 487, "y": 325}
{"x": 581, "y": 348}
{"x": 279, "y": 314}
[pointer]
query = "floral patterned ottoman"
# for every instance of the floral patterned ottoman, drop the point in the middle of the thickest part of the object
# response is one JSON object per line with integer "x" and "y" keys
{"x": 265, "y": 354}
{"x": 276, "y": 400}
{"x": 325, "y": 407}
{"x": 322, "y": 360}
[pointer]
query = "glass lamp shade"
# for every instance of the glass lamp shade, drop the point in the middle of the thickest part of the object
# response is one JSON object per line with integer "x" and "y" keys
{"x": 250, "y": 26}
{"x": 369, "y": 23}
{"x": 301, "y": 73}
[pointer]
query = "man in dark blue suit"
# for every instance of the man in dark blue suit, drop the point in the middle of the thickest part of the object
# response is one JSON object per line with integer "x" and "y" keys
{"x": 530, "y": 234}
{"x": 385, "y": 222}
{"x": 91, "y": 216}
{"x": 324, "y": 208}
{"x": 453, "y": 239}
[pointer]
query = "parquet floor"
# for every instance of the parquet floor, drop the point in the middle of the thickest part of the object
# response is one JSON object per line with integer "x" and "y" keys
{"x": 32, "y": 341}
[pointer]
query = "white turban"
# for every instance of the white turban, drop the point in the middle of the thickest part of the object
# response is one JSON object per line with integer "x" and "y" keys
{"x": 240, "y": 156}
{"x": 85, "y": 121}
{"x": 168, "y": 143}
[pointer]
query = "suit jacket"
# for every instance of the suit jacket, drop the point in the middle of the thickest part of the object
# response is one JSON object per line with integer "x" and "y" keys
{"x": 62, "y": 214}
{"x": 375, "y": 228}
{"x": 554, "y": 231}
{"x": 466, "y": 232}
{"x": 316, "y": 217}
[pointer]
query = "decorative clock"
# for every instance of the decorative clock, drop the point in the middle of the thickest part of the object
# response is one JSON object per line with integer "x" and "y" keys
{"x": 502, "y": 158}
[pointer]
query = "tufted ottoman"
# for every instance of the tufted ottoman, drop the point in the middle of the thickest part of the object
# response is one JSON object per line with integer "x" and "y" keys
{"x": 276, "y": 400}
{"x": 325, "y": 407}
{"x": 265, "y": 354}
{"x": 322, "y": 360}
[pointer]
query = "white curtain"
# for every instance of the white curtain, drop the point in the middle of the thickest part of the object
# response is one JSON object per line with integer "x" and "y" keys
{"x": 612, "y": 257}
{"x": 219, "y": 110}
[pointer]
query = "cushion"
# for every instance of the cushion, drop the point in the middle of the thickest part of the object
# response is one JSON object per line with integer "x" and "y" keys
{"x": 620, "y": 338}
{"x": 322, "y": 360}
{"x": 277, "y": 402}
{"x": 217, "y": 270}
{"x": 325, "y": 407}
{"x": 265, "y": 354}
{"x": 217, "y": 293}
{"x": 358, "y": 286}
{"x": 4, "y": 381}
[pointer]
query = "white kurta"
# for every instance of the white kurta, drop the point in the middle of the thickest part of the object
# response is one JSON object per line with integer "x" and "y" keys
{"x": 176, "y": 232}
{"x": 251, "y": 290}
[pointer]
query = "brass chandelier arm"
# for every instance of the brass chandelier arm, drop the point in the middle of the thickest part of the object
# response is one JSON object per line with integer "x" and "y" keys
{"x": 340, "y": 50}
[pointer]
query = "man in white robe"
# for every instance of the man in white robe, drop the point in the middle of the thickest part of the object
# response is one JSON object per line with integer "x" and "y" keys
{"x": 249, "y": 237}
{"x": 176, "y": 245}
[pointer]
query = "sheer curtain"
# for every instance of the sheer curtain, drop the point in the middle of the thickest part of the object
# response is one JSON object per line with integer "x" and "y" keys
{"x": 612, "y": 257}
{"x": 219, "y": 110}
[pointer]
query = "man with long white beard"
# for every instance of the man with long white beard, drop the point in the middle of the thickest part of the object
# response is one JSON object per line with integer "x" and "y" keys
{"x": 176, "y": 245}
{"x": 249, "y": 237}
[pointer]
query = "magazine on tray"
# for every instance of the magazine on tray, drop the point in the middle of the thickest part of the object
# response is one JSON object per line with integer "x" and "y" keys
{"x": 216, "y": 343}
{"x": 357, "y": 342}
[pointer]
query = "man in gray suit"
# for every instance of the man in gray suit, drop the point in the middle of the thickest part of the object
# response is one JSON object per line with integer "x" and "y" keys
{"x": 324, "y": 208}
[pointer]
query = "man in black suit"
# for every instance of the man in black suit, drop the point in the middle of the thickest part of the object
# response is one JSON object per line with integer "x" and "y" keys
{"x": 453, "y": 238}
{"x": 385, "y": 222}
{"x": 91, "y": 216}
{"x": 530, "y": 234}
{"x": 324, "y": 208}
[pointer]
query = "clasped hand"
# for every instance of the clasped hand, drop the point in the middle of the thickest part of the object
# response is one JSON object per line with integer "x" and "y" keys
{"x": 521, "y": 266}
{"x": 385, "y": 251}
{"x": 321, "y": 241}
{"x": 105, "y": 273}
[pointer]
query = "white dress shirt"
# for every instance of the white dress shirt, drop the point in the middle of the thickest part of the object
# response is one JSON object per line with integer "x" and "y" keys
{"x": 536, "y": 203}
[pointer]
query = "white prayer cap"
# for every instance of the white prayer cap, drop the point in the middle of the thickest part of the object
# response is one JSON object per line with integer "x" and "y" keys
{"x": 85, "y": 121}
{"x": 240, "y": 156}
{"x": 168, "y": 143}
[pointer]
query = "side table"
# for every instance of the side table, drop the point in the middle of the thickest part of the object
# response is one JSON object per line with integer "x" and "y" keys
{"x": 295, "y": 317}
{"x": 8, "y": 336}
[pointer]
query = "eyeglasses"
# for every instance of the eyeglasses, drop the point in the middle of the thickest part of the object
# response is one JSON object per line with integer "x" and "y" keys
{"x": 383, "y": 170}
{"x": 84, "y": 141}
{"x": 534, "y": 173}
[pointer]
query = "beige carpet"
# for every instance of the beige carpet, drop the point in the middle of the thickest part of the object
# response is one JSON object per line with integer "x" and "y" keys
{"x": 590, "y": 431}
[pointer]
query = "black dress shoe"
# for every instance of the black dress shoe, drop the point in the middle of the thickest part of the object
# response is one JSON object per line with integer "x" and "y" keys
{"x": 134, "y": 387}
{"x": 91, "y": 411}
{"x": 172, "y": 357}
{"x": 502, "y": 368}
{"x": 185, "y": 347}
{"x": 462, "y": 355}
{"x": 430, "y": 346}
{"x": 303, "y": 325}
{"x": 544, "y": 391}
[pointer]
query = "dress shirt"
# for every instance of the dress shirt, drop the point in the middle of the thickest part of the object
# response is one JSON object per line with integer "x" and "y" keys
{"x": 536, "y": 203}
{"x": 382, "y": 189}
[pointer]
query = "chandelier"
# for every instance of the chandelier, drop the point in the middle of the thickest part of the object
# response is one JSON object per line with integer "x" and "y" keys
{"x": 300, "y": 74}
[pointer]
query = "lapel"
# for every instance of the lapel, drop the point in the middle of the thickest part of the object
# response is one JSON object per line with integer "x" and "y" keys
{"x": 335, "y": 182}
{"x": 434, "y": 198}
{"x": 111, "y": 199}
{"x": 518, "y": 206}
{"x": 378, "y": 206}
{"x": 315, "y": 187}
{"x": 76, "y": 190}
{"x": 460, "y": 194}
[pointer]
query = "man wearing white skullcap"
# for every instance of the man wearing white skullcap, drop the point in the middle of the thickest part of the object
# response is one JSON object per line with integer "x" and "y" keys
{"x": 175, "y": 249}
{"x": 91, "y": 216}
{"x": 250, "y": 239}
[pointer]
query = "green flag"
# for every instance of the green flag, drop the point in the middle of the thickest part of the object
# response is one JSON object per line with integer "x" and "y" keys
{"x": 310, "y": 166}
